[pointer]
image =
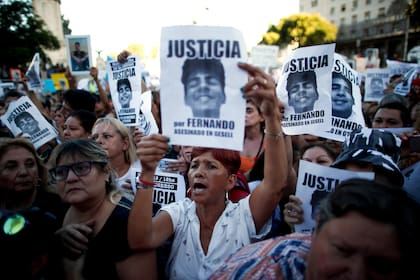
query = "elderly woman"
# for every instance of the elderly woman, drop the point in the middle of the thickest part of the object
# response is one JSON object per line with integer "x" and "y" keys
{"x": 98, "y": 212}
{"x": 208, "y": 228}
{"x": 29, "y": 212}
{"x": 23, "y": 178}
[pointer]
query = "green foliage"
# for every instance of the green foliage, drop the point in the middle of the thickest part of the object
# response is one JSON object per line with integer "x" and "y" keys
{"x": 23, "y": 33}
{"x": 305, "y": 29}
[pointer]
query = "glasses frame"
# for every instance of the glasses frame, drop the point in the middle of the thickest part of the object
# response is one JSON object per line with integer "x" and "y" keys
{"x": 67, "y": 167}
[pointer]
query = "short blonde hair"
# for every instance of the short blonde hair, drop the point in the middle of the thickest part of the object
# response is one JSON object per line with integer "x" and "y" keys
{"x": 130, "y": 154}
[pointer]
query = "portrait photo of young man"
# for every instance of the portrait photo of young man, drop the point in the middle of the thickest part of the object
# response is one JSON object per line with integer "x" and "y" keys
{"x": 204, "y": 86}
{"x": 302, "y": 91}
{"x": 341, "y": 96}
{"x": 124, "y": 93}
{"x": 27, "y": 123}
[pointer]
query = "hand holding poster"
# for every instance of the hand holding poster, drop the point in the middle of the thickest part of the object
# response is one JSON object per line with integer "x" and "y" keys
{"x": 346, "y": 101}
{"x": 23, "y": 118}
{"x": 201, "y": 101}
{"x": 125, "y": 86}
{"x": 33, "y": 74}
{"x": 305, "y": 88}
{"x": 314, "y": 183}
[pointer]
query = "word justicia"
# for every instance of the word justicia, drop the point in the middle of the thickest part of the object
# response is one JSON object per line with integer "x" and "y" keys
{"x": 203, "y": 49}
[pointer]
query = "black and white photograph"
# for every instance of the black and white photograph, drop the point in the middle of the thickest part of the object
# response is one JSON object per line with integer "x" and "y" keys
{"x": 304, "y": 87}
{"x": 125, "y": 85}
{"x": 375, "y": 84}
{"x": 314, "y": 182}
{"x": 201, "y": 99}
{"x": 346, "y": 101}
{"x": 24, "y": 119}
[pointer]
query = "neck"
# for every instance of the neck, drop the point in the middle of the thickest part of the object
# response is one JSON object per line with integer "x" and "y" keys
{"x": 119, "y": 165}
{"x": 253, "y": 132}
{"x": 209, "y": 214}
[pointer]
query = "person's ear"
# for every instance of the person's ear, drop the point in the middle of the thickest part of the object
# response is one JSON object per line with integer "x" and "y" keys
{"x": 231, "y": 182}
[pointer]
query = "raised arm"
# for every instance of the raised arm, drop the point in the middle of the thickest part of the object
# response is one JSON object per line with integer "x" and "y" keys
{"x": 261, "y": 89}
{"x": 145, "y": 232}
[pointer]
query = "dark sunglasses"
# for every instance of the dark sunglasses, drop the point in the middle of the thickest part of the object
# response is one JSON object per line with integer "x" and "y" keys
{"x": 82, "y": 168}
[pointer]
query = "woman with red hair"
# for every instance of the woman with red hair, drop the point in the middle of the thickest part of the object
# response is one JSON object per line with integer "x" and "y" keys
{"x": 207, "y": 227}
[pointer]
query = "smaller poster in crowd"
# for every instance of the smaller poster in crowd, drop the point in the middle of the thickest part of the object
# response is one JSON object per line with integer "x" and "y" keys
{"x": 403, "y": 88}
{"x": 169, "y": 187}
{"x": 346, "y": 100}
{"x": 314, "y": 182}
{"x": 372, "y": 58}
{"x": 125, "y": 85}
{"x": 34, "y": 75}
{"x": 305, "y": 88}
{"x": 24, "y": 119}
{"x": 79, "y": 54}
{"x": 60, "y": 81}
{"x": 201, "y": 100}
{"x": 375, "y": 83}
{"x": 147, "y": 123}
{"x": 15, "y": 74}
{"x": 265, "y": 56}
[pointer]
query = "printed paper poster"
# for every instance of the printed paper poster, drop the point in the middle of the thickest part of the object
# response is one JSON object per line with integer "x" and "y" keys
{"x": 201, "y": 100}
{"x": 147, "y": 123}
{"x": 125, "y": 85}
{"x": 33, "y": 74}
{"x": 24, "y": 119}
{"x": 375, "y": 84}
{"x": 346, "y": 101}
{"x": 305, "y": 88}
{"x": 314, "y": 182}
{"x": 60, "y": 81}
{"x": 79, "y": 54}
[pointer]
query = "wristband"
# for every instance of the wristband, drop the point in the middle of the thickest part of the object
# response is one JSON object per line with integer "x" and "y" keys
{"x": 144, "y": 184}
{"x": 275, "y": 135}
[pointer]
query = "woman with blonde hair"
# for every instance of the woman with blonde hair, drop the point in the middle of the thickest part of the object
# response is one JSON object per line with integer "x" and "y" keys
{"x": 116, "y": 139}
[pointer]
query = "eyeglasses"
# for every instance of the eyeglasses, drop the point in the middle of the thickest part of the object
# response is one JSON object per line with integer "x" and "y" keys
{"x": 82, "y": 168}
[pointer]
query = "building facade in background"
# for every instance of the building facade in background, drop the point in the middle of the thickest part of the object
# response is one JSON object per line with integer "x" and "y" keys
{"x": 50, "y": 12}
{"x": 365, "y": 24}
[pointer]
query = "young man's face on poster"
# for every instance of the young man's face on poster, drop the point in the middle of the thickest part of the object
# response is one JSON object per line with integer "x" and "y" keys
{"x": 341, "y": 97}
{"x": 204, "y": 93}
{"x": 27, "y": 124}
{"x": 124, "y": 94}
{"x": 302, "y": 96}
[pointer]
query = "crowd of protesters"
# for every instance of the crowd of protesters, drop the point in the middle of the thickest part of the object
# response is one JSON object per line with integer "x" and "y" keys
{"x": 68, "y": 210}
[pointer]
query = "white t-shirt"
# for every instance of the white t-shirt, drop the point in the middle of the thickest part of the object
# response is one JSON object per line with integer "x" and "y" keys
{"x": 234, "y": 229}
{"x": 122, "y": 180}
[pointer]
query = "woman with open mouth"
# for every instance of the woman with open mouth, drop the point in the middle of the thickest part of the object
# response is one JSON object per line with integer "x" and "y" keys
{"x": 207, "y": 227}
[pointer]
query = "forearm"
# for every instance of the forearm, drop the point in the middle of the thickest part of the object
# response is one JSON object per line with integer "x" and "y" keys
{"x": 140, "y": 219}
{"x": 275, "y": 161}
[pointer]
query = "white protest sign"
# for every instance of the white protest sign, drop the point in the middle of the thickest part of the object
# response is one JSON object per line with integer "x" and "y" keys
{"x": 346, "y": 99}
{"x": 264, "y": 55}
{"x": 147, "y": 123}
{"x": 169, "y": 187}
{"x": 23, "y": 118}
{"x": 125, "y": 85}
{"x": 375, "y": 83}
{"x": 33, "y": 74}
{"x": 314, "y": 183}
{"x": 403, "y": 88}
{"x": 305, "y": 88}
{"x": 201, "y": 100}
